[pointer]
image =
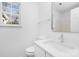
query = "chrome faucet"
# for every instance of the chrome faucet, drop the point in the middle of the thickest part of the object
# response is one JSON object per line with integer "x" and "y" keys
{"x": 61, "y": 38}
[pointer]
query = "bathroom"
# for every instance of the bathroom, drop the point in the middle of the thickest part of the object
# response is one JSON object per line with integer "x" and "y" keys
{"x": 37, "y": 24}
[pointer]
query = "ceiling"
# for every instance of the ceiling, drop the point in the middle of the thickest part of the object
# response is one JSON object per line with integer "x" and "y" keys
{"x": 65, "y": 5}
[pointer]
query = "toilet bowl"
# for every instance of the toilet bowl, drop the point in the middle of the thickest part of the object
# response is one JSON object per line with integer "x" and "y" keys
{"x": 30, "y": 51}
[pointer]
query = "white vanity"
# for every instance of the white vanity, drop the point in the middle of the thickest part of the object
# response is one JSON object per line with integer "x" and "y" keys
{"x": 50, "y": 48}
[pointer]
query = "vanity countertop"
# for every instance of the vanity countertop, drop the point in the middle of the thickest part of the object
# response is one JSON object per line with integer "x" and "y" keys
{"x": 57, "y": 52}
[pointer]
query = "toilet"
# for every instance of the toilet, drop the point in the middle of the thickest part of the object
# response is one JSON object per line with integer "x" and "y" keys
{"x": 30, "y": 51}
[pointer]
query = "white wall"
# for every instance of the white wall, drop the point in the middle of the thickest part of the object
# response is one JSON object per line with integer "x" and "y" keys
{"x": 44, "y": 16}
{"x": 13, "y": 41}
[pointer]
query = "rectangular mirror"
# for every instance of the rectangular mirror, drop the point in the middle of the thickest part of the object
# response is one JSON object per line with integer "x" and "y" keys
{"x": 65, "y": 16}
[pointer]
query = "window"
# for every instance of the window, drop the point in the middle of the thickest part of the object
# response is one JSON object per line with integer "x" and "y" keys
{"x": 10, "y": 13}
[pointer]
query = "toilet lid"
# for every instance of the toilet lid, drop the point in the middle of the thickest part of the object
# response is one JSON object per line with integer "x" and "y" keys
{"x": 30, "y": 49}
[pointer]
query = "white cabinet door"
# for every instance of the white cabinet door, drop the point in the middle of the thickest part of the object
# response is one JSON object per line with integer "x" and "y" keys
{"x": 39, "y": 52}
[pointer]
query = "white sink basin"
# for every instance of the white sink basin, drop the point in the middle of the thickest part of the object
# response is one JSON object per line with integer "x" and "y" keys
{"x": 60, "y": 47}
{"x": 57, "y": 49}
